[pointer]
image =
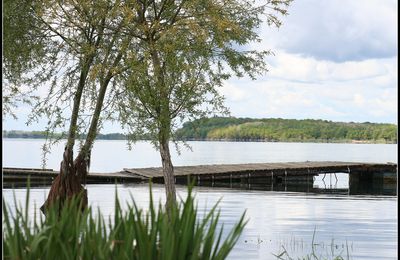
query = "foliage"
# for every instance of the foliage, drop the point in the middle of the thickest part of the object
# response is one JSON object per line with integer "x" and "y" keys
{"x": 230, "y": 128}
{"x": 25, "y": 49}
{"x": 132, "y": 234}
{"x": 21, "y": 45}
{"x": 70, "y": 54}
{"x": 188, "y": 48}
{"x": 87, "y": 43}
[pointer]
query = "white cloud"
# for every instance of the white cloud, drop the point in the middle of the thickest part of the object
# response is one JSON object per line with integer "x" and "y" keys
{"x": 359, "y": 100}
{"x": 295, "y": 67}
{"x": 337, "y": 30}
{"x": 233, "y": 92}
{"x": 303, "y": 87}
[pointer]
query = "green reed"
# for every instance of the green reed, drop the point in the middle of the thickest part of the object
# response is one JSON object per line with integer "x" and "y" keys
{"x": 313, "y": 255}
{"x": 130, "y": 234}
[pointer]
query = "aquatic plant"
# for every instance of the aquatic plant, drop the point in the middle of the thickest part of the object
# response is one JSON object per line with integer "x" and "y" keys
{"x": 130, "y": 234}
{"x": 313, "y": 255}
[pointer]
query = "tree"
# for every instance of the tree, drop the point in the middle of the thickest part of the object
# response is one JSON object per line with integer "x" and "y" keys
{"x": 188, "y": 48}
{"x": 86, "y": 44}
{"x": 100, "y": 25}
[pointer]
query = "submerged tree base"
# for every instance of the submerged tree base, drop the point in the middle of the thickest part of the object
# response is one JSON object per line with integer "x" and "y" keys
{"x": 68, "y": 183}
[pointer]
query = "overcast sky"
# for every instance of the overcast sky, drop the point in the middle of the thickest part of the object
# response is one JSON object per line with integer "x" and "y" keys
{"x": 334, "y": 60}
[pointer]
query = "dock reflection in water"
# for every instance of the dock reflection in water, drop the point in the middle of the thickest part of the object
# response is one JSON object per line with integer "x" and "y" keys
{"x": 338, "y": 183}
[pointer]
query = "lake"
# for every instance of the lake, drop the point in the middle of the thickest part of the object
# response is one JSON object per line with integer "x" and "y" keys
{"x": 365, "y": 225}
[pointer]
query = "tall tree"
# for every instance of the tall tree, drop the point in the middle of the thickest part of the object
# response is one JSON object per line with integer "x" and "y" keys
{"x": 188, "y": 48}
{"x": 85, "y": 40}
{"x": 102, "y": 26}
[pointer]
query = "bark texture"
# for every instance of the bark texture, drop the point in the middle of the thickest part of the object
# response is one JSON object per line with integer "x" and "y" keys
{"x": 68, "y": 183}
{"x": 168, "y": 172}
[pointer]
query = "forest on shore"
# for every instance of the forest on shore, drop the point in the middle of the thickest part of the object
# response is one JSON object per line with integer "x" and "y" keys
{"x": 268, "y": 129}
{"x": 288, "y": 130}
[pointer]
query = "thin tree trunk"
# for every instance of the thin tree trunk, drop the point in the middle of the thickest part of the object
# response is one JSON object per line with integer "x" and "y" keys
{"x": 168, "y": 172}
{"x": 165, "y": 127}
{"x": 82, "y": 161}
{"x": 68, "y": 183}
{"x": 73, "y": 173}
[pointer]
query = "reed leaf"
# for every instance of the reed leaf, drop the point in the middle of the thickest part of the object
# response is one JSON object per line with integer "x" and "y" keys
{"x": 133, "y": 233}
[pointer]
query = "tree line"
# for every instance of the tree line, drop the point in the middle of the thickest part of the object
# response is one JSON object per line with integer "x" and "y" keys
{"x": 44, "y": 135}
{"x": 268, "y": 129}
{"x": 276, "y": 129}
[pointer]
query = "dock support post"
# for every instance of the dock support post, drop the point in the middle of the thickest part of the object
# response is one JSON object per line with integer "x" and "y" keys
{"x": 285, "y": 180}
{"x": 272, "y": 181}
{"x": 285, "y": 176}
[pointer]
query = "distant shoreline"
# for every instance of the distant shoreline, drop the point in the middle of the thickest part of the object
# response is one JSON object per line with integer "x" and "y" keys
{"x": 244, "y": 140}
{"x": 286, "y": 130}
{"x": 231, "y": 129}
{"x": 295, "y": 141}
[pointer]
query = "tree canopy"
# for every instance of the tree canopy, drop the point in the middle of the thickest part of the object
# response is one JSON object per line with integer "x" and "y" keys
{"x": 187, "y": 50}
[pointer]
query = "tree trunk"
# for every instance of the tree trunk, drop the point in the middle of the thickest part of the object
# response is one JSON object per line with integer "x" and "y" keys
{"x": 164, "y": 121}
{"x": 65, "y": 186}
{"x": 73, "y": 174}
{"x": 67, "y": 183}
{"x": 168, "y": 172}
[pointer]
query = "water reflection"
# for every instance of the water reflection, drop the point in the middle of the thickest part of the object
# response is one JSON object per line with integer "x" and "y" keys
{"x": 338, "y": 183}
{"x": 367, "y": 223}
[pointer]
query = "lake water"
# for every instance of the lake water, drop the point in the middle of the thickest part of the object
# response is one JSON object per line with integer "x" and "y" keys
{"x": 108, "y": 156}
{"x": 367, "y": 224}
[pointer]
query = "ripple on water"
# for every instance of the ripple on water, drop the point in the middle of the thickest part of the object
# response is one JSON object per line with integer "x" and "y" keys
{"x": 367, "y": 224}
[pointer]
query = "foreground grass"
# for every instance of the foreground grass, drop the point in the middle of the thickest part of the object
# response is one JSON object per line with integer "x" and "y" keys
{"x": 131, "y": 234}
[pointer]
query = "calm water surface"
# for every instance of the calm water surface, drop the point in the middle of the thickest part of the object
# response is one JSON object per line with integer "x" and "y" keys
{"x": 368, "y": 224}
{"x": 114, "y": 156}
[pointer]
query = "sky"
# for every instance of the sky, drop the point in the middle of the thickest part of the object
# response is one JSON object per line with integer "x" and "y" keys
{"x": 333, "y": 60}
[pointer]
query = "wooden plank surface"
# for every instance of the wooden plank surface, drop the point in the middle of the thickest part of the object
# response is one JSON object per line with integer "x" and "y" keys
{"x": 291, "y": 168}
{"x": 332, "y": 166}
{"x": 15, "y": 172}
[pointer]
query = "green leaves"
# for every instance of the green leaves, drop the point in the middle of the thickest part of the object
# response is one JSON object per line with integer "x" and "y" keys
{"x": 187, "y": 49}
{"x": 133, "y": 233}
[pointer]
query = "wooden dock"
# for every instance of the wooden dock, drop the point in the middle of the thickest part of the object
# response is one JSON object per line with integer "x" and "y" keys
{"x": 254, "y": 170}
{"x": 47, "y": 175}
{"x": 289, "y": 171}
